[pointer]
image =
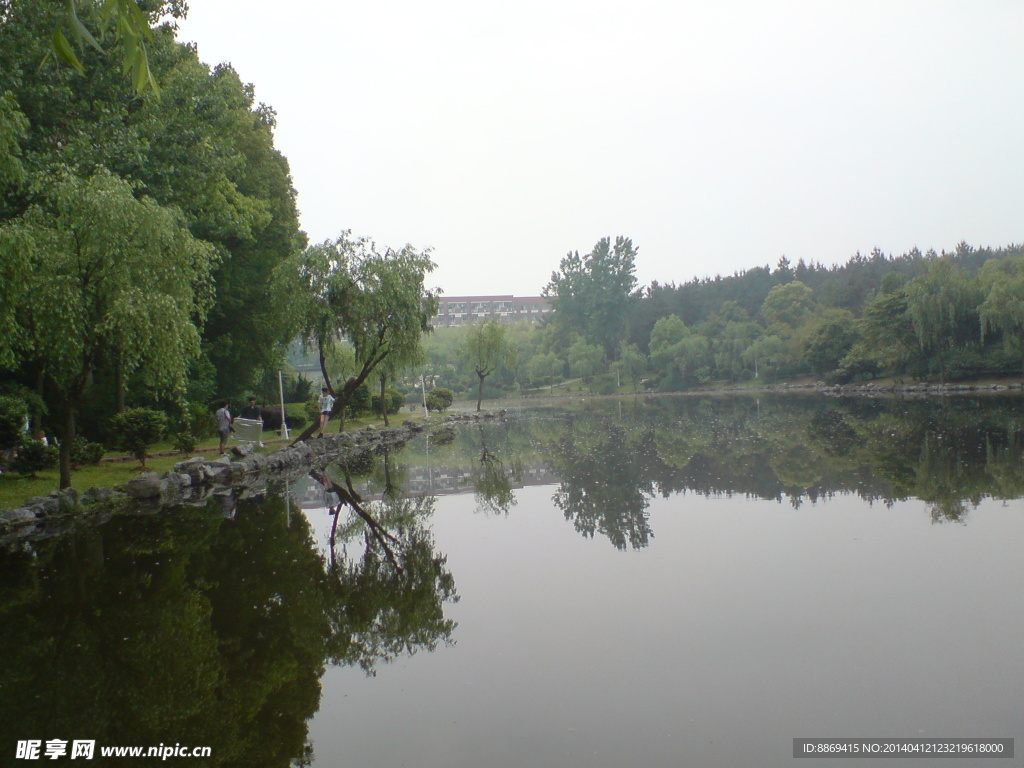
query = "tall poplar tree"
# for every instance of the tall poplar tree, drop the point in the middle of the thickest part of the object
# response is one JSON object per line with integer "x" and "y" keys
{"x": 593, "y": 294}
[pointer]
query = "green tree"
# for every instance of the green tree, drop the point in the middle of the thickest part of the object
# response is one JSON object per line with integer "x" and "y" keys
{"x": 787, "y": 305}
{"x": 123, "y": 24}
{"x": 631, "y": 362}
{"x": 585, "y": 360}
{"x": 486, "y": 349}
{"x": 544, "y": 367}
{"x": 766, "y": 356}
{"x": 138, "y": 428}
{"x": 887, "y": 337}
{"x": 1002, "y": 284}
{"x": 102, "y": 275}
{"x": 593, "y": 295}
{"x": 13, "y": 127}
{"x": 681, "y": 356}
{"x": 439, "y": 399}
{"x": 729, "y": 346}
{"x": 667, "y": 333}
{"x": 831, "y": 337}
{"x": 942, "y": 305}
{"x": 13, "y": 413}
{"x": 376, "y": 301}
{"x": 204, "y": 147}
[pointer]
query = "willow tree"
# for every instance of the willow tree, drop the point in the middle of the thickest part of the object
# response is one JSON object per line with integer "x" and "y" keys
{"x": 345, "y": 289}
{"x": 95, "y": 276}
{"x": 1002, "y": 281}
{"x": 486, "y": 348}
{"x": 942, "y": 305}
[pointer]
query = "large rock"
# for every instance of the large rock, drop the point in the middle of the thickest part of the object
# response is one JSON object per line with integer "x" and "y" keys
{"x": 146, "y": 486}
{"x": 16, "y": 516}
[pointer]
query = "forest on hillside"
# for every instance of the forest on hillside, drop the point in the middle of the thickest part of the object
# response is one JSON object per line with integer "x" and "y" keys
{"x": 949, "y": 316}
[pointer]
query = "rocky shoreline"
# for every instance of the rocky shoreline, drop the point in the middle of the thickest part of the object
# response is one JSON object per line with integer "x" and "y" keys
{"x": 871, "y": 388}
{"x": 195, "y": 480}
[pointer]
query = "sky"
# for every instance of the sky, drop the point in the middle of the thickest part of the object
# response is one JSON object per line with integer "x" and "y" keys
{"x": 719, "y": 135}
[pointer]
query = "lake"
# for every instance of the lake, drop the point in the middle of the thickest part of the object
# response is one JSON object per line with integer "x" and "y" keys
{"x": 674, "y": 581}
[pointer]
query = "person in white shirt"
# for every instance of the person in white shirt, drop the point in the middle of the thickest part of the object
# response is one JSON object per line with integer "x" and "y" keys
{"x": 224, "y": 427}
{"x": 326, "y": 404}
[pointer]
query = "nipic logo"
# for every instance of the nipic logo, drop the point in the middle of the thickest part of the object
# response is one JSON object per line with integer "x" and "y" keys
{"x": 54, "y": 748}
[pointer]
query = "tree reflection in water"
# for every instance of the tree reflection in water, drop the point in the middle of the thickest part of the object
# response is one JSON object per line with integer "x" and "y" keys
{"x": 494, "y": 479}
{"x": 186, "y": 627}
{"x": 388, "y": 599}
{"x": 606, "y": 481}
{"x": 610, "y": 457}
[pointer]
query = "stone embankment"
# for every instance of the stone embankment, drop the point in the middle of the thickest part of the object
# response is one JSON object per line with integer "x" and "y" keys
{"x": 194, "y": 480}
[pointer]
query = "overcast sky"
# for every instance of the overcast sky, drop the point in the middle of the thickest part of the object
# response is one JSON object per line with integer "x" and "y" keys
{"x": 717, "y": 135}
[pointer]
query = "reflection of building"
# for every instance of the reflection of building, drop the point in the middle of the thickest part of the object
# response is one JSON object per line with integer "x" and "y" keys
{"x": 459, "y": 310}
{"x": 306, "y": 493}
{"x": 441, "y": 481}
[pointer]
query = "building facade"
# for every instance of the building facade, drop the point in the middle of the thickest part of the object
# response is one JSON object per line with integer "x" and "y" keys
{"x": 460, "y": 310}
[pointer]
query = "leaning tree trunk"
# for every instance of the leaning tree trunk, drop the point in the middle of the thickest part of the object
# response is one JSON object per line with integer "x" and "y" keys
{"x": 480, "y": 391}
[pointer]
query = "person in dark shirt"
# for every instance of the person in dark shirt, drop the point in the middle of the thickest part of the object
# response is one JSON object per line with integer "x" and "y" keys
{"x": 251, "y": 411}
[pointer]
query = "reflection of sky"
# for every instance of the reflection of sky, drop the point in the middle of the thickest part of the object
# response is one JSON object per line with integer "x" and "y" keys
{"x": 308, "y": 497}
{"x": 746, "y": 623}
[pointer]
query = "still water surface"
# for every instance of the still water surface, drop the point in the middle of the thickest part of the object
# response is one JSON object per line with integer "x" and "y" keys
{"x": 676, "y": 582}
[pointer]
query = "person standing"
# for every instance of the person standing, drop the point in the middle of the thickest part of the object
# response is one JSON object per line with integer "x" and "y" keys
{"x": 326, "y": 403}
{"x": 251, "y": 411}
{"x": 224, "y": 427}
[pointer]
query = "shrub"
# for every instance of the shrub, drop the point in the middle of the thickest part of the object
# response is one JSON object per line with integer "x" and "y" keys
{"x": 439, "y": 399}
{"x": 12, "y": 419}
{"x": 138, "y": 428}
{"x": 185, "y": 442}
{"x": 361, "y": 401}
{"x": 312, "y": 407}
{"x": 395, "y": 401}
{"x": 85, "y": 452}
{"x": 443, "y": 436}
{"x": 194, "y": 425}
{"x": 299, "y": 389}
{"x": 32, "y": 456}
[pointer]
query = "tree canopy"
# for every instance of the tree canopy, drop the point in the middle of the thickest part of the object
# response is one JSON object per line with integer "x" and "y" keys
{"x": 97, "y": 277}
{"x": 592, "y": 295}
{"x": 346, "y": 289}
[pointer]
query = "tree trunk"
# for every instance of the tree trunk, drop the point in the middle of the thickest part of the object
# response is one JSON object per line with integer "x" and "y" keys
{"x": 341, "y": 400}
{"x": 383, "y": 401}
{"x": 37, "y": 414}
{"x": 118, "y": 387}
{"x": 480, "y": 391}
{"x": 66, "y": 438}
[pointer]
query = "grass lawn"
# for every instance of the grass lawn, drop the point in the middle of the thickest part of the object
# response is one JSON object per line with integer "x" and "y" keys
{"x": 116, "y": 469}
